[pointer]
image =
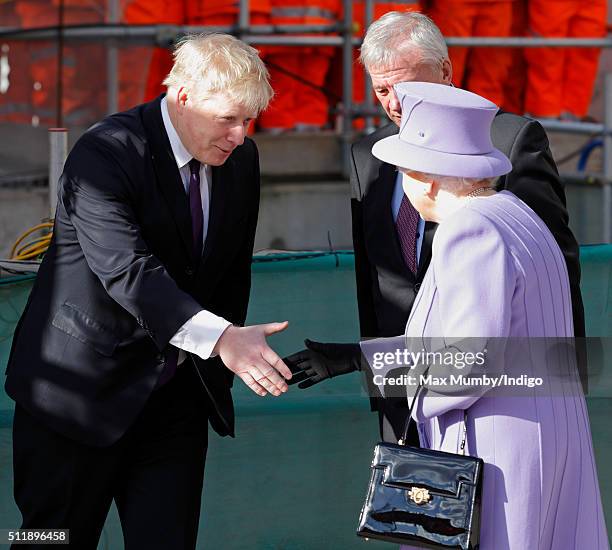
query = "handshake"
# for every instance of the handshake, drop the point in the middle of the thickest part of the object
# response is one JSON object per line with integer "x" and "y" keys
{"x": 321, "y": 361}
{"x": 245, "y": 352}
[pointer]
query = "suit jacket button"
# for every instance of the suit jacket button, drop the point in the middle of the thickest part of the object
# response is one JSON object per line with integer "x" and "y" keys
{"x": 417, "y": 286}
{"x": 189, "y": 271}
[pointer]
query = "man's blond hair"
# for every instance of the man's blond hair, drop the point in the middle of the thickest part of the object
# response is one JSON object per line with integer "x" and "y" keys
{"x": 220, "y": 63}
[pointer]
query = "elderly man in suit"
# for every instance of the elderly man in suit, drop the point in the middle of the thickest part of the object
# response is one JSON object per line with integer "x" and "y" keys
{"x": 132, "y": 333}
{"x": 392, "y": 242}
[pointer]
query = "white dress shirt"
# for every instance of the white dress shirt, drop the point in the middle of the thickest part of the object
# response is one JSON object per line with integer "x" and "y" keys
{"x": 200, "y": 333}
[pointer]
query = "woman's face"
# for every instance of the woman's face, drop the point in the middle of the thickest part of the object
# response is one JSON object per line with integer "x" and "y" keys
{"x": 417, "y": 188}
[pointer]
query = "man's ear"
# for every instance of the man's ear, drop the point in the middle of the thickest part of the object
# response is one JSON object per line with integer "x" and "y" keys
{"x": 447, "y": 72}
{"x": 182, "y": 96}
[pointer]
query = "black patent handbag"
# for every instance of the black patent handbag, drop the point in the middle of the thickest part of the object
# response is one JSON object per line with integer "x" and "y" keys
{"x": 422, "y": 497}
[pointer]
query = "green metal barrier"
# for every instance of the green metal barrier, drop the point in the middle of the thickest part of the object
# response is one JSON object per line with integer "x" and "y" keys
{"x": 596, "y": 287}
{"x": 296, "y": 474}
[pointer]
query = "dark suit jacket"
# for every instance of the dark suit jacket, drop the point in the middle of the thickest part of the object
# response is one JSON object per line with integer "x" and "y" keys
{"x": 120, "y": 278}
{"x": 385, "y": 287}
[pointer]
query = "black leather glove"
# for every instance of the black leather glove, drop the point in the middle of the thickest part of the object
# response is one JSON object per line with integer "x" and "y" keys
{"x": 320, "y": 361}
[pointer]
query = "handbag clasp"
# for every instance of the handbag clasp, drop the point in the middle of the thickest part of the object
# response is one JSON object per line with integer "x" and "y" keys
{"x": 419, "y": 495}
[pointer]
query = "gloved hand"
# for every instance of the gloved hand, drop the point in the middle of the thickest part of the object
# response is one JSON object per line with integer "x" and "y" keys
{"x": 320, "y": 361}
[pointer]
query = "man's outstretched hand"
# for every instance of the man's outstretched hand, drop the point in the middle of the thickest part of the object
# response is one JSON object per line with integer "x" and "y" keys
{"x": 246, "y": 353}
{"x": 320, "y": 361}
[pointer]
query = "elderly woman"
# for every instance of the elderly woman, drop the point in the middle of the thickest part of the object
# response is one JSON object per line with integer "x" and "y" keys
{"x": 496, "y": 271}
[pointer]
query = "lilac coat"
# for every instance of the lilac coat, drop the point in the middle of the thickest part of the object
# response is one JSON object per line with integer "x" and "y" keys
{"x": 496, "y": 270}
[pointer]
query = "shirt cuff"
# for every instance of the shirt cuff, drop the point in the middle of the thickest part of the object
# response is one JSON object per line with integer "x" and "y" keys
{"x": 200, "y": 333}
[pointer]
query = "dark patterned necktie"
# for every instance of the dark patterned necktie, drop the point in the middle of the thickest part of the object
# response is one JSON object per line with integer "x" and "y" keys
{"x": 407, "y": 225}
{"x": 195, "y": 205}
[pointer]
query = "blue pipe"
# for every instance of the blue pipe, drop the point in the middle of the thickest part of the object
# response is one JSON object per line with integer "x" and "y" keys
{"x": 586, "y": 152}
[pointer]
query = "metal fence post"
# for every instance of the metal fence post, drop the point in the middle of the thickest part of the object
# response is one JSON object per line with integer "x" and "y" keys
{"x": 607, "y": 189}
{"x": 347, "y": 86}
{"x": 368, "y": 100}
{"x": 243, "y": 17}
{"x": 112, "y": 63}
{"x": 58, "y": 149}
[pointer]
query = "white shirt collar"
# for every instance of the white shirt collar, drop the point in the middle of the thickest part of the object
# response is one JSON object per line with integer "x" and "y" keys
{"x": 181, "y": 155}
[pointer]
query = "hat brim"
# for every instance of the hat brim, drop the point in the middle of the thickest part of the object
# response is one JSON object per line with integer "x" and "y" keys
{"x": 394, "y": 151}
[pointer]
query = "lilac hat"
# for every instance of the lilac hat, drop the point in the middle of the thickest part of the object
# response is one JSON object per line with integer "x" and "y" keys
{"x": 444, "y": 131}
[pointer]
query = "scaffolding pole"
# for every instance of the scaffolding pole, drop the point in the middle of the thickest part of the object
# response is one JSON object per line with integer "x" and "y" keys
{"x": 607, "y": 189}
{"x": 243, "y": 17}
{"x": 148, "y": 33}
{"x": 112, "y": 62}
{"x": 58, "y": 149}
{"x": 368, "y": 101}
{"x": 347, "y": 87}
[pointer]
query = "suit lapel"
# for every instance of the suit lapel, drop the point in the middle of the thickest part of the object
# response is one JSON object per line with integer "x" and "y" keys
{"x": 223, "y": 178}
{"x": 389, "y": 176}
{"x": 425, "y": 257}
{"x": 167, "y": 173}
{"x": 379, "y": 216}
{"x": 378, "y": 204}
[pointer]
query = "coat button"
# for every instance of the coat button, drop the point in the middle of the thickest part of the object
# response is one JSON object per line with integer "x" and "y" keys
{"x": 417, "y": 286}
{"x": 189, "y": 271}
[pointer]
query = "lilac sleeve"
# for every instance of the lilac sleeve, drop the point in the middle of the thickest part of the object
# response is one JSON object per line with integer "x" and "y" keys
{"x": 475, "y": 280}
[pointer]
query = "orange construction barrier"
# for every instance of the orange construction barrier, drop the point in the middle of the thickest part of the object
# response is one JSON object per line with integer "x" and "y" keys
{"x": 514, "y": 87}
{"x": 15, "y": 82}
{"x": 482, "y": 70}
{"x": 560, "y": 81}
{"x": 81, "y": 100}
{"x": 297, "y": 105}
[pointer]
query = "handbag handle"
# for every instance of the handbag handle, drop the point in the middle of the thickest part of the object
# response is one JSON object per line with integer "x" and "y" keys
{"x": 404, "y": 438}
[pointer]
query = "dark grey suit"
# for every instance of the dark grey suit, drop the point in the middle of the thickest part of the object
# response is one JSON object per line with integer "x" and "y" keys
{"x": 385, "y": 287}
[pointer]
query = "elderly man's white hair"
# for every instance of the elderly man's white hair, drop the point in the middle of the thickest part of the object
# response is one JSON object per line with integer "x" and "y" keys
{"x": 220, "y": 63}
{"x": 397, "y": 32}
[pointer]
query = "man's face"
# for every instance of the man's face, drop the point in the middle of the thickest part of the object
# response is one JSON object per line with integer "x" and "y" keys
{"x": 409, "y": 68}
{"x": 211, "y": 128}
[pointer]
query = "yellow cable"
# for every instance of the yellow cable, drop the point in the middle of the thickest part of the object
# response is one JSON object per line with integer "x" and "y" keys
{"x": 33, "y": 248}
{"x": 42, "y": 225}
{"x": 35, "y": 251}
{"x": 46, "y": 240}
{"x": 29, "y": 252}
{"x": 31, "y": 255}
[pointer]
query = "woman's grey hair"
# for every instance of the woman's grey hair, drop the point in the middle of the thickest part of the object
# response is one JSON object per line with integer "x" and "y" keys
{"x": 219, "y": 63}
{"x": 396, "y": 33}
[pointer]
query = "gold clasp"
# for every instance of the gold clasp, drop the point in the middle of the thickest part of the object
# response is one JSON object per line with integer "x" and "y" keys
{"x": 419, "y": 495}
